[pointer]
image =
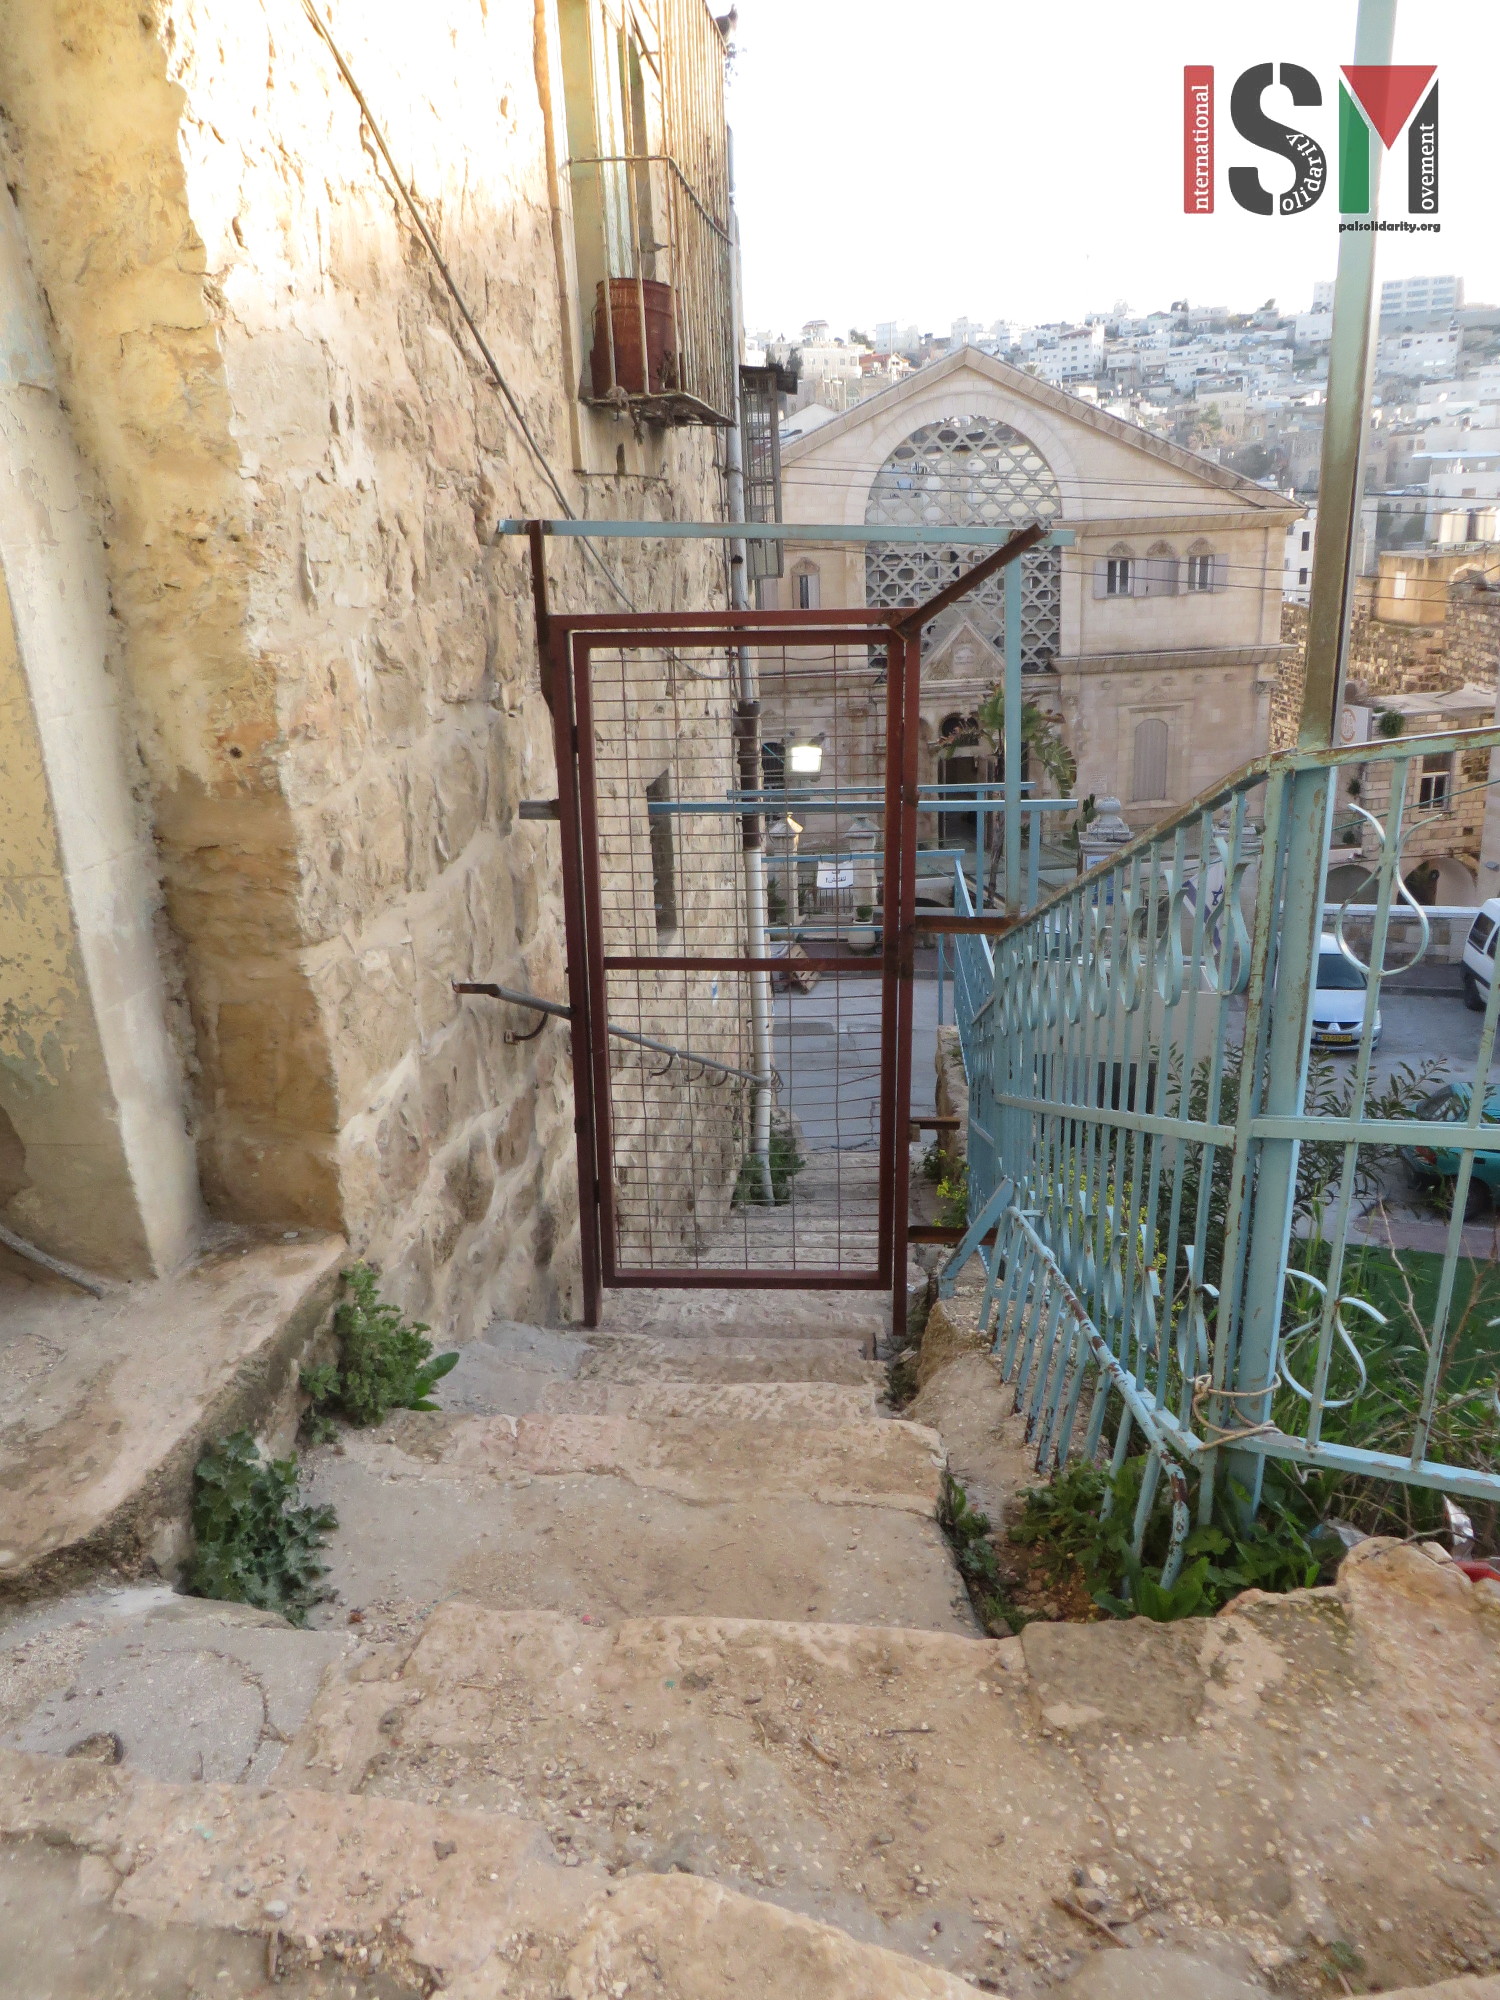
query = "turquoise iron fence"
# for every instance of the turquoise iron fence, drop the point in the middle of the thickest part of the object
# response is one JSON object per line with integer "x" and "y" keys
{"x": 1182, "y": 1199}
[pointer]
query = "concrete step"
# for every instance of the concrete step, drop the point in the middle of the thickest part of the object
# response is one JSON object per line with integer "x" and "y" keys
{"x": 106, "y": 1404}
{"x": 180, "y": 1687}
{"x": 617, "y": 1517}
{"x": 861, "y": 1316}
{"x": 1239, "y": 1788}
{"x": 794, "y": 1405}
{"x": 516, "y": 1369}
{"x": 731, "y": 1357}
{"x": 113, "y": 1884}
{"x": 886, "y": 1781}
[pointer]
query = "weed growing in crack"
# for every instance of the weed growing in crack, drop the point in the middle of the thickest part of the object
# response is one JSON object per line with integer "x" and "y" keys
{"x": 253, "y": 1546}
{"x": 901, "y": 1383}
{"x": 385, "y": 1362}
{"x": 968, "y": 1534}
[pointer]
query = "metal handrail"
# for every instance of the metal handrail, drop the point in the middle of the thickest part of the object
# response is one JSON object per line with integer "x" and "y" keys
{"x": 564, "y": 1012}
{"x": 1138, "y": 1070}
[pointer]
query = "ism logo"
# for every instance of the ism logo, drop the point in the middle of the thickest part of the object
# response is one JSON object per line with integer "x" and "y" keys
{"x": 1377, "y": 103}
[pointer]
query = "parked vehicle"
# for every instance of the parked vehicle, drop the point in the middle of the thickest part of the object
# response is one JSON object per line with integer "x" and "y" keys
{"x": 1479, "y": 954}
{"x": 1340, "y": 995}
{"x": 1436, "y": 1163}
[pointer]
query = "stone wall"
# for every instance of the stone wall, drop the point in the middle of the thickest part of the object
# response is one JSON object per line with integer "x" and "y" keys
{"x": 1471, "y": 637}
{"x": 300, "y": 463}
{"x": 1384, "y": 659}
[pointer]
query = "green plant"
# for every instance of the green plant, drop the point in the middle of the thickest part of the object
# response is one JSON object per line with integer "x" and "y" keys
{"x": 901, "y": 1383}
{"x": 953, "y": 1196}
{"x": 1390, "y": 722}
{"x": 1221, "y": 1557}
{"x": 785, "y": 1161}
{"x": 1041, "y": 743}
{"x": 385, "y": 1362}
{"x": 253, "y": 1546}
{"x": 863, "y": 912}
{"x": 968, "y": 1535}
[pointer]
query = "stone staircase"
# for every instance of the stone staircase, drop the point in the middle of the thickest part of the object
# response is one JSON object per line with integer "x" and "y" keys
{"x": 649, "y": 1673}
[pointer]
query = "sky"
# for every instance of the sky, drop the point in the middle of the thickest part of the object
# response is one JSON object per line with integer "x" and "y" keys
{"x": 935, "y": 158}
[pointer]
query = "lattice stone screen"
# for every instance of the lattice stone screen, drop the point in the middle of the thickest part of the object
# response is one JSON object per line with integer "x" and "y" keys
{"x": 967, "y": 472}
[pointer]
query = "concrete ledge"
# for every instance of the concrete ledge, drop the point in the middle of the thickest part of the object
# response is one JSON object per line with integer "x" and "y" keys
{"x": 105, "y": 1404}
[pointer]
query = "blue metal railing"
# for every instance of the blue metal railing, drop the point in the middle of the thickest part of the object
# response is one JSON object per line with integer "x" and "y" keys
{"x": 1175, "y": 1190}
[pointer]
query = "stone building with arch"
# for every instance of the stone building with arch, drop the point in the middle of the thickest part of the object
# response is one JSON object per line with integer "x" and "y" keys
{"x": 1154, "y": 639}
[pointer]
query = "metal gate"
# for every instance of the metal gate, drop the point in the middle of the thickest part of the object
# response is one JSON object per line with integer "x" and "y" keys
{"x": 737, "y": 794}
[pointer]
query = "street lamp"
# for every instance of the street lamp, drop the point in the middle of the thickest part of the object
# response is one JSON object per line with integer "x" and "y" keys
{"x": 805, "y": 760}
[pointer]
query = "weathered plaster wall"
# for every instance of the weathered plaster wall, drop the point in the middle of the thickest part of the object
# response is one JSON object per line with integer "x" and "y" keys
{"x": 302, "y": 465}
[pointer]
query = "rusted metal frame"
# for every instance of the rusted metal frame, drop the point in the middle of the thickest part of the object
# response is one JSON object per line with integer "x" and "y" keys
{"x": 1019, "y": 543}
{"x": 627, "y": 629}
{"x": 556, "y": 674}
{"x": 848, "y": 968}
{"x": 580, "y": 651}
{"x": 541, "y": 609}
{"x": 903, "y": 702}
{"x": 735, "y": 1277}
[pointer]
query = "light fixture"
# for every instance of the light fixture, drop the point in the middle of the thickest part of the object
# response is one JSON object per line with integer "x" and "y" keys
{"x": 805, "y": 760}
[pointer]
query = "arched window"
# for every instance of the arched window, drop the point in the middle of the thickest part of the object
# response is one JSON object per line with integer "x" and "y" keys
{"x": 1205, "y": 570}
{"x": 1116, "y": 574}
{"x": 807, "y": 587}
{"x": 1160, "y": 579}
{"x": 1149, "y": 776}
{"x": 968, "y": 472}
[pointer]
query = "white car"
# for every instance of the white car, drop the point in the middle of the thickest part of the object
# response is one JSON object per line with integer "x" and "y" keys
{"x": 1479, "y": 954}
{"x": 1340, "y": 994}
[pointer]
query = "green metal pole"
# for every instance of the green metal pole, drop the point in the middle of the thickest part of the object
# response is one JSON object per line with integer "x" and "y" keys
{"x": 1012, "y": 739}
{"x": 1257, "y": 1326}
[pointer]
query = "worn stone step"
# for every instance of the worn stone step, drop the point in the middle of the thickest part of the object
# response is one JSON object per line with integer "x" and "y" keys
{"x": 616, "y": 1517}
{"x": 106, "y": 1404}
{"x": 114, "y": 1884}
{"x": 890, "y": 1782}
{"x": 865, "y": 1462}
{"x": 792, "y": 1404}
{"x": 1243, "y": 1784}
{"x": 516, "y": 1369}
{"x": 180, "y": 1687}
{"x": 730, "y": 1357}
{"x": 861, "y": 1316}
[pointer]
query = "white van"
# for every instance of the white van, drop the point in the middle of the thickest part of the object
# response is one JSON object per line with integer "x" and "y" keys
{"x": 1479, "y": 954}
{"x": 1340, "y": 995}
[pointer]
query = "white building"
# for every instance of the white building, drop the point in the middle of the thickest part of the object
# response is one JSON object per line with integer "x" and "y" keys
{"x": 1075, "y": 354}
{"x": 1296, "y": 565}
{"x": 1322, "y": 298}
{"x": 1426, "y": 356}
{"x": 1401, "y": 296}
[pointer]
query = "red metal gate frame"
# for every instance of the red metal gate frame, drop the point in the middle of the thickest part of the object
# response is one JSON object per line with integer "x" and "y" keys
{"x": 570, "y": 644}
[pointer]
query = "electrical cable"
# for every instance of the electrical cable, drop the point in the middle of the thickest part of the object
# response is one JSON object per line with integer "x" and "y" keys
{"x": 430, "y": 243}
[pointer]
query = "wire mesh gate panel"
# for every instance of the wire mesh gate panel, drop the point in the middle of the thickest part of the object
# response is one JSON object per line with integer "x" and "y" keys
{"x": 737, "y": 793}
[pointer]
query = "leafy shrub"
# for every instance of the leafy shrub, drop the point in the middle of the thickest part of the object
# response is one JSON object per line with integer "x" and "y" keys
{"x": 385, "y": 1362}
{"x": 786, "y": 1163}
{"x": 953, "y": 1197}
{"x": 253, "y": 1546}
{"x": 1273, "y": 1552}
